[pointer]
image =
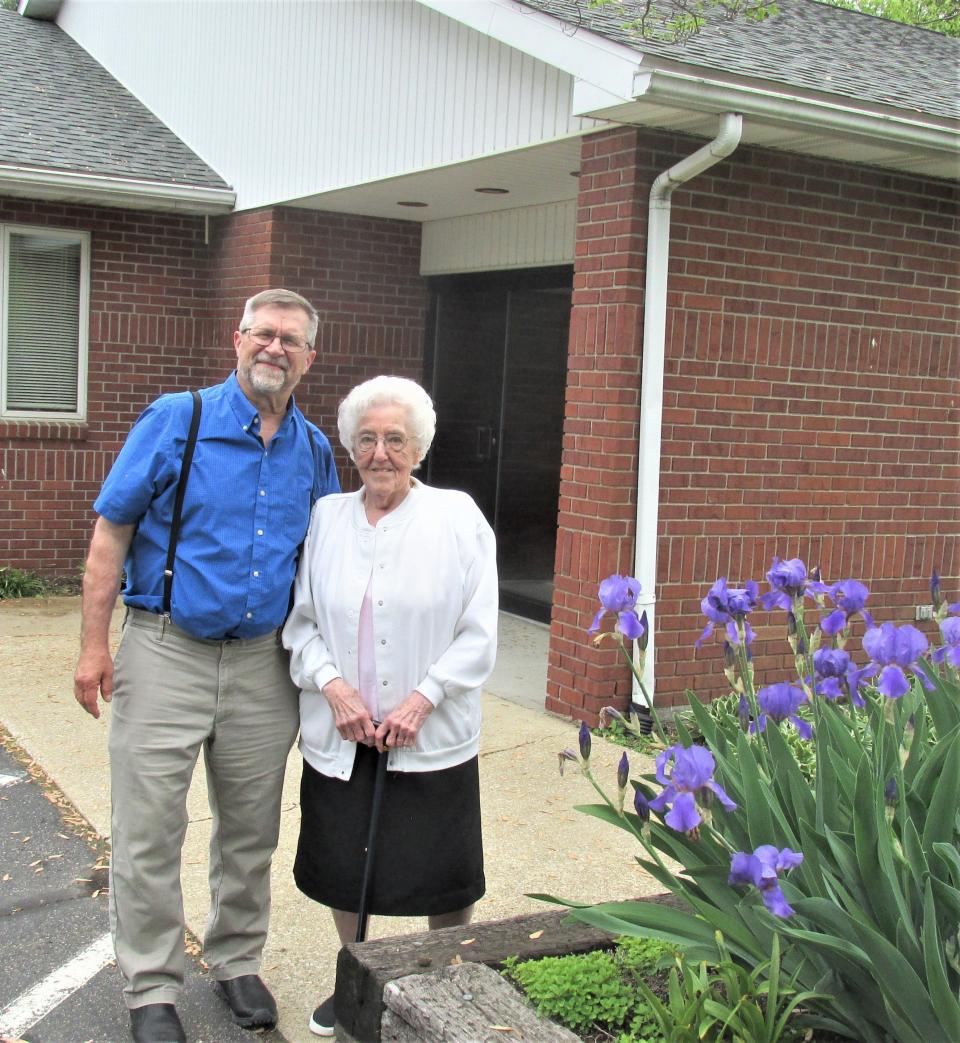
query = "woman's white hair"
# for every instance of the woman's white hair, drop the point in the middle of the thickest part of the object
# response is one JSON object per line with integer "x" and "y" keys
{"x": 389, "y": 391}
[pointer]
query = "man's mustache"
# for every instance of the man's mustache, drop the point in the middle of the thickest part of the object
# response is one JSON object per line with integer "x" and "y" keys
{"x": 270, "y": 360}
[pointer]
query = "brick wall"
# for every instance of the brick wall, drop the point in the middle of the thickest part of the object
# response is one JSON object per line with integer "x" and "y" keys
{"x": 362, "y": 275}
{"x": 811, "y": 406}
{"x": 166, "y": 294}
{"x": 148, "y": 297}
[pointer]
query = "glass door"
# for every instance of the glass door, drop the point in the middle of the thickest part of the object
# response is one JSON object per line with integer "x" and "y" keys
{"x": 498, "y": 376}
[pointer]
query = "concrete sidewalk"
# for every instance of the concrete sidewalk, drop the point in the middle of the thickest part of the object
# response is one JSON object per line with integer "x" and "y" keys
{"x": 534, "y": 840}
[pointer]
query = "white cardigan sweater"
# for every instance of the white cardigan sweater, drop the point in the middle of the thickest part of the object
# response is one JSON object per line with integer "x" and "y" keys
{"x": 431, "y": 564}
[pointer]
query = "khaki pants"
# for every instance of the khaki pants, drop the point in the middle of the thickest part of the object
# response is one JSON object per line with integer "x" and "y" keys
{"x": 174, "y": 694}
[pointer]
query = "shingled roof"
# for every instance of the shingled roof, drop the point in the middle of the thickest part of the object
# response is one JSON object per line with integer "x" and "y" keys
{"x": 805, "y": 45}
{"x": 62, "y": 111}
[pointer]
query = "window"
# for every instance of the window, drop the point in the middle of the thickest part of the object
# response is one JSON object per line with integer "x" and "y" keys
{"x": 44, "y": 279}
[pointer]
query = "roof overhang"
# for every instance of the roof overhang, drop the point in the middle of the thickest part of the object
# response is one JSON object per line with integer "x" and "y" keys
{"x": 686, "y": 100}
{"x": 626, "y": 85}
{"x": 103, "y": 190}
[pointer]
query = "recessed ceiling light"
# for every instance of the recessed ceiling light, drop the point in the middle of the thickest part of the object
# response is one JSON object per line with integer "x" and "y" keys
{"x": 493, "y": 191}
{"x": 411, "y": 202}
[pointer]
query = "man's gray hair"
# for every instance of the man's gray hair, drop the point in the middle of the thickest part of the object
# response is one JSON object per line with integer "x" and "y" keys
{"x": 389, "y": 391}
{"x": 281, "y": 299}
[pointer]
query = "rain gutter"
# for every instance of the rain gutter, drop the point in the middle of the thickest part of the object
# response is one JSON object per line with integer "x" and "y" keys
{"x": 38, "y": 183}
{"x": 651, "y": 391}
{"x": 702, "y": 94}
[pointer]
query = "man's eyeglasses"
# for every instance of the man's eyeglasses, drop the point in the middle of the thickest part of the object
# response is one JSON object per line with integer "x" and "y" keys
{"x": 263, "y": 338}
{"x": 394, "y": 441}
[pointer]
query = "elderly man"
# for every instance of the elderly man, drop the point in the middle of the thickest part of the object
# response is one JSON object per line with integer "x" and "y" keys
{"x": 209, "y": 549}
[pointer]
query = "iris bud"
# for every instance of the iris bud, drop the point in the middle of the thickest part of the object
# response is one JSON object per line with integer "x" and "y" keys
{"x": 585, "y": 741}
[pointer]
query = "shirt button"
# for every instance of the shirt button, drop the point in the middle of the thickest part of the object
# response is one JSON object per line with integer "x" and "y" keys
{"x": 259, "y": 532}
{"x": 379, "y": 602}
{"x": 384, "y": 683}
{"x": 263, "y": 492}
{"x": 249, "y": 615}
{"x": 255, "y": 574}
{"x": 383, "y": 640}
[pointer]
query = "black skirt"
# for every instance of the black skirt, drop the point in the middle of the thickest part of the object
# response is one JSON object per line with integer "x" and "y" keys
{"x": 429, "y": 849}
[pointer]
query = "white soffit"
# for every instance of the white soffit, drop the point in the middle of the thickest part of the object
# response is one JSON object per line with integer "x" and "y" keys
{"x": 532, "y": 176}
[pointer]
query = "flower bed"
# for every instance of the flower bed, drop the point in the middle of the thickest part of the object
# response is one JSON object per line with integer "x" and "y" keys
{"x": 835, "y": 881}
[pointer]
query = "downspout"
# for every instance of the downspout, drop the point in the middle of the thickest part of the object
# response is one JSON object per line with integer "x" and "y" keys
{"x": 651, "y": 392}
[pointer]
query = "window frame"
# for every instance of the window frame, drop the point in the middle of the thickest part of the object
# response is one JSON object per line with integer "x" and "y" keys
{"x": 65, "y": 235}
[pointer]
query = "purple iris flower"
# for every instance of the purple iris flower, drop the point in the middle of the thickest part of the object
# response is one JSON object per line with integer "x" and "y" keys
{"x": 762, "y": 870}
{"x": 837, "y": 675}
{"x": 779, "y": 703}
{"x": 788, "y": 581}
{"x": 894, "y": 649}
{"x": 690, "y": 780}
{"x": 830, "y": 666}
{"x": 618, "y": 594}
{"x": 728, "y": 606}
{"x": 850, "y": 598}
{"x": 950, "y": 629}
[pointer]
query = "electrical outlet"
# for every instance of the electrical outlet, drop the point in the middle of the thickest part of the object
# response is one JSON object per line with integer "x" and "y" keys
{"x": 924, "y": 611}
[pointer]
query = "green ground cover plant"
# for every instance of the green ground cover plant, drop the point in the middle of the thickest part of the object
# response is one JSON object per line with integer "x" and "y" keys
{"x": 19, "y": 583}
{"x": 24, "y": 583}
{"x": 817, "y": 826}
{"x": 597, "y": 994}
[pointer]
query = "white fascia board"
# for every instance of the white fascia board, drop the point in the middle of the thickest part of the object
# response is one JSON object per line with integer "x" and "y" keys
{"x": 578, "y": 52}
{"x": 589, "y": 99}
{"x": 103, "y": 190}
{"x": 699, "y": 93}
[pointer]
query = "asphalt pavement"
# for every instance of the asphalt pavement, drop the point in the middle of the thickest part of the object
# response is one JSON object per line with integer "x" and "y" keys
{"x": 60, "y": 979}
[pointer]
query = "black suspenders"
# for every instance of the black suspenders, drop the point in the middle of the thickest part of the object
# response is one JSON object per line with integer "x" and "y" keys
{"x": 188, "y": 449}
{"x": 178, "y": 501}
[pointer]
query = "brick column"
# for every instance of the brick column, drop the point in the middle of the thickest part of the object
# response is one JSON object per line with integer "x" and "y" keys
{"x": 597, "y": 513}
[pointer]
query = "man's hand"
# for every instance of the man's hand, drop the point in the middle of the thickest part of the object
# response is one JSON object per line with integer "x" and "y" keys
{"x": 401, "y": 725}
{"x": 94, "y": 676}
{"x": 350, "y": 715}
{"x": 101, "y": 584}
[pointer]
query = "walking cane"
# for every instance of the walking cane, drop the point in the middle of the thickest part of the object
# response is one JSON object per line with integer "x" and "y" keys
{"x": 375, "y": 803}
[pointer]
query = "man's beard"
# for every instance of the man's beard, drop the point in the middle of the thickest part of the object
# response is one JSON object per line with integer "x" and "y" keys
{"x": 266, "y": 379}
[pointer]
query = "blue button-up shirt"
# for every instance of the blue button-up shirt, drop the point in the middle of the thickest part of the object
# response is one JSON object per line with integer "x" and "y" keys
{"x": 244, "y": 517}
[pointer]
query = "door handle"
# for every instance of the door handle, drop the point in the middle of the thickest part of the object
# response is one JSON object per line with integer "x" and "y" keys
{"x": 485, "y": 442}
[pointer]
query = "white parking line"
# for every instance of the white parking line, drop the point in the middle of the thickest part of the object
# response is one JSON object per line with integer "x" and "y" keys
{"x": 36, "y": 1003}
{"x": 10, "y": 780}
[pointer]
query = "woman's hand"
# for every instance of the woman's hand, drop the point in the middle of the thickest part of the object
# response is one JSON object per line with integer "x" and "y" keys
{"x": 400, "y": 726}
{"x": 350, "y": 716}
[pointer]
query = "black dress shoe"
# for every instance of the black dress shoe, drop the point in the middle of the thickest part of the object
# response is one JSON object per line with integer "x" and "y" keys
{"x": 156, "y": 1023}
{"x": 249, "y": 1001}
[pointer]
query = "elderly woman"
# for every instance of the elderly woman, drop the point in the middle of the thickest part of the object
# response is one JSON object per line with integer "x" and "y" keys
{"x": 391, "y": 635}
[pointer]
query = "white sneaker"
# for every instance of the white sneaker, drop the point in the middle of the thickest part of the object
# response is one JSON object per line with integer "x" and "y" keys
{"x": 323, "y": 1020}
